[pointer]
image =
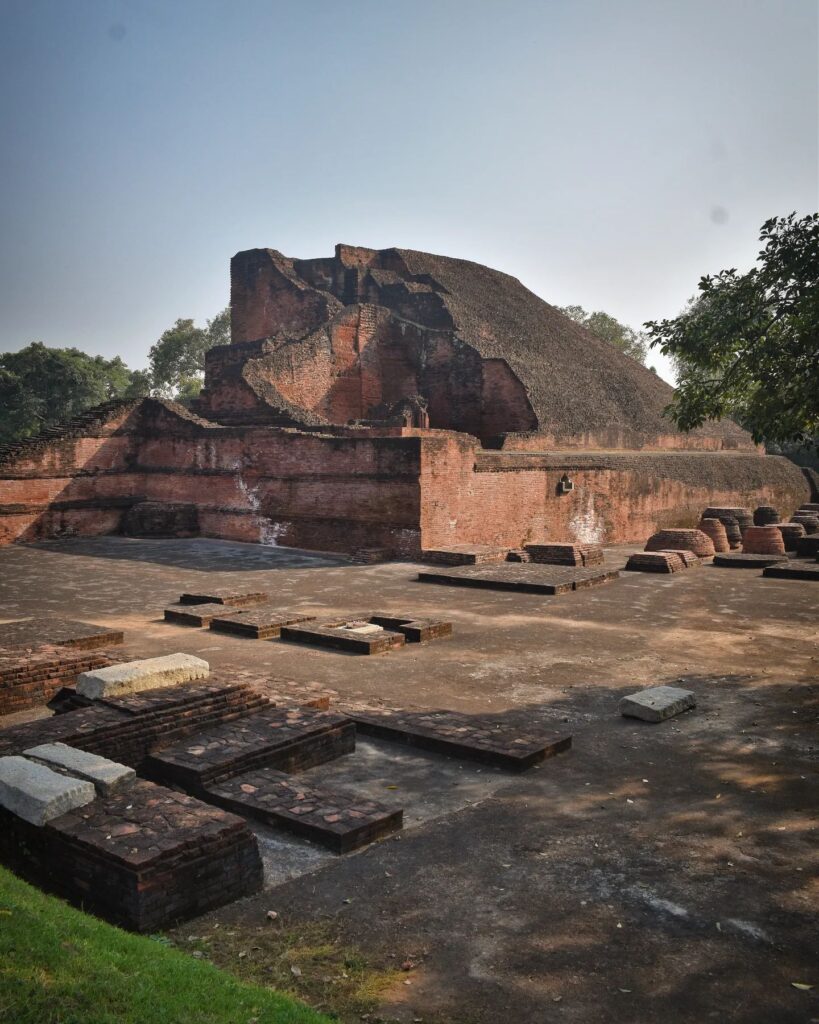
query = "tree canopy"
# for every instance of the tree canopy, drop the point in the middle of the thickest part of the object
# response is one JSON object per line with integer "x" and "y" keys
{"x": 748, "y": 345}
{"x": 41, "y": 387}
{"x": 177, "y": 360}
{"x": 606, "y": 327}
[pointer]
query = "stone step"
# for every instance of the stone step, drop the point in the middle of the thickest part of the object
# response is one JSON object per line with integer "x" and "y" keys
{"x": 287, "y": 739}
{"x": 471, "y": 737}
{"x": 339, "y": 821}
{"x": 149, "y": 674}
{"x": 258, "y": 623}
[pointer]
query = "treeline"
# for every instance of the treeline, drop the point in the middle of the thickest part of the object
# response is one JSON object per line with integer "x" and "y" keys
{"x": 41, "y": 386}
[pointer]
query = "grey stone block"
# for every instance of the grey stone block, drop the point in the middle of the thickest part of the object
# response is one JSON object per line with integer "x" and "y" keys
{"x": 133, "y": 676}
{"x": 657, "y": 703}
{"x": 104, "y": 774}
{"x": 36, "y": 793}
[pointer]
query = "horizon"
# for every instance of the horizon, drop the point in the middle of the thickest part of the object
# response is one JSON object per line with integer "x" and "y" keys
{"x": 146, "y": 143}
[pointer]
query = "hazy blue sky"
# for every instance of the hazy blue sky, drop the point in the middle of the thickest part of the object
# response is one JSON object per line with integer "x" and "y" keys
{"x": 606, "y": 152}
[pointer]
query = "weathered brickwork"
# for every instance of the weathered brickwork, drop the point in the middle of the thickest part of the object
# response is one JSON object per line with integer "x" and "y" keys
{"x": 391, "y": 402}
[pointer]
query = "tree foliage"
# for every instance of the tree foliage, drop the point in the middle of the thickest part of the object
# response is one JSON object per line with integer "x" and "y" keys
{"x": 177, "y": 360}
{"x": 748, "y": 346}
{"x": 604, "y": 326}
{"x": 41, "y": 387}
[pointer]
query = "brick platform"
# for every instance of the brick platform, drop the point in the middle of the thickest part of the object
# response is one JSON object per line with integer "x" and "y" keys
{"x": 584, "y": 555}
{"x": 234, "y": 598}
{"x": 465, "y": 554}
{"x": 743, "y": 560}
{"x": 258, "y": 623}
{"x": 344, "y": 635}
{"x": 194, "y": 614}
{"x": 689, "y": 559}
{"x": 808, "y": 546}
{"x": 339, "y": 821}
{"x": 792, "y": 571}
{"x": 531, "y": 578}
{"x": 143, "y": 858}
{"x": 35, "y": 632}
{"x": 31, "y": 678}
{"x": 415, "y": 630}
{"x": 655, "y": 561}
{"x": 472, "y": 737}
{"x": 287, "y": 739}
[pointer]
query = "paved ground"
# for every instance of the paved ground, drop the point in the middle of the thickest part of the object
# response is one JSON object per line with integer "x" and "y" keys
{"x": 653, "y": 874}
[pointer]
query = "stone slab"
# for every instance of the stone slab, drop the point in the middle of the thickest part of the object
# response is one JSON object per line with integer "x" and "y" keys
{"x": 35, "y": 632}
{"x": 105, "y": 775}
{"x": 657, "y": 703}
{"x": 258, "y": 623}
{"x": 481, "y": 738}
{"x": 194, "y": 614}
{"x": 234, "y": 598}
{"x": 37, "y": 794}
{"x": 527, "y": 578}
{"x": 744, "y": 560}
{"x": 132, "y": 676}
{"x": 792, "y": 571}
{"x": 340, "y": 821}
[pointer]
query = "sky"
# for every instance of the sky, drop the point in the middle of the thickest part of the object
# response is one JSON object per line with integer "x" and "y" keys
{"x": 605, "y": 152}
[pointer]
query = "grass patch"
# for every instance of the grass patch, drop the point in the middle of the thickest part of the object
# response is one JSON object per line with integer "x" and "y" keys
{"x": 305, "y": 959}
{"x": 60, "y": 966}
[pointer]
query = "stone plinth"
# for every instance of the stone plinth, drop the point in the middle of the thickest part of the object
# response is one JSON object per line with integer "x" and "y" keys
{"x": 657, "y": 703}
{"x": 37, "y": 794}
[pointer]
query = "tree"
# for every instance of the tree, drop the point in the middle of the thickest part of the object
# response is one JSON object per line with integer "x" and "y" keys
{"x": 748, "y": 346}
{"x": 41, "y": 387}
{"x": 604, "y": 326}
{"x": 177, "y": 360}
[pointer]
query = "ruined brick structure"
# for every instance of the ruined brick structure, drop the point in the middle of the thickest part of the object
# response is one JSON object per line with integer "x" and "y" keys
{"x": 394, "y": 400}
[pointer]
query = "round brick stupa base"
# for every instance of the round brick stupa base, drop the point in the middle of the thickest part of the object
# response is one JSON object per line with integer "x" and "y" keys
{"x": 688, "y": 540}
{"x": 763, "y": 540}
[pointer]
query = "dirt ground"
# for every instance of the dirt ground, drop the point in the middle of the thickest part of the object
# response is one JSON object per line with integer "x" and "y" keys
{"x": 654, "y": 873}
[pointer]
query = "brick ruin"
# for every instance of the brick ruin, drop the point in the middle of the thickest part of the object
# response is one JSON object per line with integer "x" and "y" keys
{"x": 391, "y": 402}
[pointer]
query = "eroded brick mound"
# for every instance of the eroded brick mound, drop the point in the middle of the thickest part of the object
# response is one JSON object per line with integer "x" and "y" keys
{"x": 715, "y": 529}
{"x": 742, "y": 516}
{"x": 763, "y": 540}
{"x": 765, "y": 515}
{"x": 792, "y": 533}
{"x": 688, "y": 540}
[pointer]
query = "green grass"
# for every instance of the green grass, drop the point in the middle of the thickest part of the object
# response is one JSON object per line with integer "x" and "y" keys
{"x": 60, "y": 966}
